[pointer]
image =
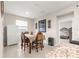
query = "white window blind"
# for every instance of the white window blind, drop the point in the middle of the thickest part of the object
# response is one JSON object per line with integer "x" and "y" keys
{"x": 22, "y": 25}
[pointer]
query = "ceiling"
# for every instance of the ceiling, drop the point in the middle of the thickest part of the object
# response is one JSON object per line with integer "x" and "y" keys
{"x": 35, "y": 9}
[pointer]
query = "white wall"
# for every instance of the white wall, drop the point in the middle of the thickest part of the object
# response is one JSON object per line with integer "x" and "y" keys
{"x": 75, "y": 25}
{"x": 1, "y": 33}
{"x": 10, "y": 19}
{"x": 66, "y": 24}
{"x": 54, "y": 32}
{"x": 66, "y": 20}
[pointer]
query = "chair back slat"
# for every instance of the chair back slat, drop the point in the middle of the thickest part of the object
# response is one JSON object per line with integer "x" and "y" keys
{"x": 39, "y": 36}
{"x": 24, "y": 38}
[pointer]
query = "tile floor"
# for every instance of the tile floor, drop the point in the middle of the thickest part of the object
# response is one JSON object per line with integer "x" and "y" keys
{"x": 64, "y": 50}
{"x": 16, "y": 52}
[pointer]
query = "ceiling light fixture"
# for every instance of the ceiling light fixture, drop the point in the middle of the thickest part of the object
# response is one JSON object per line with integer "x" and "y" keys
{"x": 27, "y": 13}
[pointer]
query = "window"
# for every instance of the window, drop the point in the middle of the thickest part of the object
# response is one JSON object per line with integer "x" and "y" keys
{"x": 22, "y": 25}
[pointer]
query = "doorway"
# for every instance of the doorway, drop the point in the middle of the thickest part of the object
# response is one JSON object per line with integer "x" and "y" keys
{"x": 65, "y": 25}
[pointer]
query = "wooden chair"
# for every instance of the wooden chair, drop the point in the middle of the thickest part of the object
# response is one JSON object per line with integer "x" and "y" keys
{"x": 25, "y": 41}
{"x": 38, "y": 42}
{"x": 22, "y": 38}
{"x": 26, "y": 32}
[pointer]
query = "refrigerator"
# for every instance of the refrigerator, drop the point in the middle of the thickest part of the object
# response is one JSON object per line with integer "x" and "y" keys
{"x": 12, "y": 34}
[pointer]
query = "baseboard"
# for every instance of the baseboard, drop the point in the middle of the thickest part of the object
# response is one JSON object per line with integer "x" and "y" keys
{"x": 75, "y": 42}
{"x": 12, "y": 44}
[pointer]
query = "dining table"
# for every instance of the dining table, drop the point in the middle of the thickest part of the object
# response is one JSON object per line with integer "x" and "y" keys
{"x": 31, "y": 38}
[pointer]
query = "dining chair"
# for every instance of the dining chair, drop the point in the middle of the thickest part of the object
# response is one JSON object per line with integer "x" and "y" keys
{"x": 25, "y": 41}
{"x": 38, "y": 42}
{"x": 22, "y": 38}
{"x": 26, "y": 32}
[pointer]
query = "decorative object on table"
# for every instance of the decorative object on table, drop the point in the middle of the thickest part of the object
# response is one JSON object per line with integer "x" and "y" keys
{"x": 49, "y": 23}
{"x": 42, "y": 25}
{"x": 36, "y": 25}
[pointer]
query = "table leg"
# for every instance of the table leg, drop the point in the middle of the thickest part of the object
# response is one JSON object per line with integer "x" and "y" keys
{"x": 30, "y": 48}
